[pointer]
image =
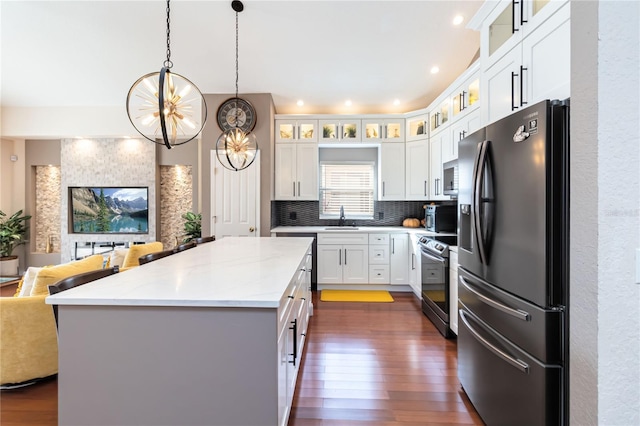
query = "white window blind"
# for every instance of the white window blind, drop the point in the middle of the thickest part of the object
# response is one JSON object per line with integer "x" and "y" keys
{"x": 347, "y": 184}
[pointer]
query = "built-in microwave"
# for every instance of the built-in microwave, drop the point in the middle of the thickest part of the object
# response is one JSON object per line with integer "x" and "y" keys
{"x": 450, "y": 178}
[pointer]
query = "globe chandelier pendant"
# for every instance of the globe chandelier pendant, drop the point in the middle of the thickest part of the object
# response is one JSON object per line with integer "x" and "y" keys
{"x": 164, "y": 107}
{"x": 236, "y": 149}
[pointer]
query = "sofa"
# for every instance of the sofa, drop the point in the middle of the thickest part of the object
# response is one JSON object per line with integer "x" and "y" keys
{"x": 28, "y": 334}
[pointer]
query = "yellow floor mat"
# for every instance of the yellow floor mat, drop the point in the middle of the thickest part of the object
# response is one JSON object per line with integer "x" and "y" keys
{"x": 355, "y": 296}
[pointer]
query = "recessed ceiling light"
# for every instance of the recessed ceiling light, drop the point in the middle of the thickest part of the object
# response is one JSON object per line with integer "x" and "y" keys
{"x": 458, "y": 20}
{"x": 348, "y": 102}
{"x": 300, "y": 103}
{"x": 396, "y": 102}
{"x": 435, "y": 70}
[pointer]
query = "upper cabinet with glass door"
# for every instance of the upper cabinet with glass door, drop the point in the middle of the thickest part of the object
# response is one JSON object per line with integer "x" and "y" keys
{"x": 466, "y": 96}
{"x": 511, "y": 21}
{"x": 416, "y": 127}
{"x": 439, "y": 116}
{"x": 383, "y": 130}
{"x": 339, "y": 130}
{"x": 296, "y": 130}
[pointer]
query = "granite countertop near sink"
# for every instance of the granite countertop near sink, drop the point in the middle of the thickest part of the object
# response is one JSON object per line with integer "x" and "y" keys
{"x": 365, "y": 229}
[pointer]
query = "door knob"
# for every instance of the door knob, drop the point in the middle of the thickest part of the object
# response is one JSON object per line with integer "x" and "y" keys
{"x": 252, "y": 229}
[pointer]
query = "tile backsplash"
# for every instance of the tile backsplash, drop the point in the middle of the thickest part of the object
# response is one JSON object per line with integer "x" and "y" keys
{"x": 306, "y": 213}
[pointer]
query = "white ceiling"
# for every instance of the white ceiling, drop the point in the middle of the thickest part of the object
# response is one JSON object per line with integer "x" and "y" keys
{"x": 89, "y": 53}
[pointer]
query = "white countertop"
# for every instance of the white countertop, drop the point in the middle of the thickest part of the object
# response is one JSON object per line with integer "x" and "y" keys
{"x": 367, "y": 229}
{"x": 230, "y": 272}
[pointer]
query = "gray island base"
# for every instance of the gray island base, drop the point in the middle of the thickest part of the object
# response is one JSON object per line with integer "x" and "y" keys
{"x": 187, "y": 353}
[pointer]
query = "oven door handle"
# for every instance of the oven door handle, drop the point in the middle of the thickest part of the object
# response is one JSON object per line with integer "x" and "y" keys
{"x": 517, "y": 313}
{"x": 432, "y": 257}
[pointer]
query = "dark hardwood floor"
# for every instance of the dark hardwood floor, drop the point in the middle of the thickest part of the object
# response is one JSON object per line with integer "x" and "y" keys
{"x": 365, "y": 364}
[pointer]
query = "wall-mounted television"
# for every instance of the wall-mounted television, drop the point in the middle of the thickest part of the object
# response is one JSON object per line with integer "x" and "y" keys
{"x": 109, "y": 210}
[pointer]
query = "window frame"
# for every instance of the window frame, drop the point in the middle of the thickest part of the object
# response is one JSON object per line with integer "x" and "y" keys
{"x": 348, "y": 215}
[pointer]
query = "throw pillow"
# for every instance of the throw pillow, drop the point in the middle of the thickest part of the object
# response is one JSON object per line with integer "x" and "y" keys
{"x": 29, "y": 278}
{"x": 137, "y": 250}
{"x": 117, "y": 257}
{"x": 50, "y": 276}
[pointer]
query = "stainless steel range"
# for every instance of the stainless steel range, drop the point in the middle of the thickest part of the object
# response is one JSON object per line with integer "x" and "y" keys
{"x": 435, "y": 281}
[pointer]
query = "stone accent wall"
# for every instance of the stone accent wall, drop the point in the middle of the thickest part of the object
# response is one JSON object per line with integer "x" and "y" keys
{"x": 176, "y": 189}
{"x": 106, "y": 162}
{"x": 46, "y": 220}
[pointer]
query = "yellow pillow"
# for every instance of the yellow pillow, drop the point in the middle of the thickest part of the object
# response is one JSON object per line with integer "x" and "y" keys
{"x": 137, "y": 250}
{"x": 50, "y": 276}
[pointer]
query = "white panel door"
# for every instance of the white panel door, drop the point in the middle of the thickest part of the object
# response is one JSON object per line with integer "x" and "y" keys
{"x": 501, "y": 87}
{"x": 417, "y": 170}
{"x": 307, "y": 171}
{"x": 355, "y": 264}
{"x": 236, "y": 200}
{"x": 285, "y": 175}
{"x": 330, "y": 264}
{"x": 399, "y": 261}
{"x": 391, "y": 177}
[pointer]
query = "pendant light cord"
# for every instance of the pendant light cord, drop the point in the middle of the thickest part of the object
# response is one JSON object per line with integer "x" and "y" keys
{"x": 237, "y": 109}
{"x": 168, "y": 63}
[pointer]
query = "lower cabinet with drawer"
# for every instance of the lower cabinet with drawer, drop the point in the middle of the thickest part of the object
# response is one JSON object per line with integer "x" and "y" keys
{"x": 379, "y": 258}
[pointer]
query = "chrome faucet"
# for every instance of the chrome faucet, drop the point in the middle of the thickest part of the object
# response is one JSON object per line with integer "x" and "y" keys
{"x": 342, "y": 218}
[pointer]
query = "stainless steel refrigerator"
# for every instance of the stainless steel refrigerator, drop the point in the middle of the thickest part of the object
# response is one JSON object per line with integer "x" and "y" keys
{"x": 513, "y": 267}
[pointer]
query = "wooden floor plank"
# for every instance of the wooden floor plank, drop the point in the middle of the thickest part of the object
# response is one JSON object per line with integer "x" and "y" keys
{"x": 365, "y": 364}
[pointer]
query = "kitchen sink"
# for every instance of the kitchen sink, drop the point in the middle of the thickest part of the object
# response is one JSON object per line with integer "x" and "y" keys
{"x": 341, "y": 228}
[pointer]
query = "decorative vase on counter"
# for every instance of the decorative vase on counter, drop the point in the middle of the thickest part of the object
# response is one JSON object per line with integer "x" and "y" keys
{"x": 49, "y": 247}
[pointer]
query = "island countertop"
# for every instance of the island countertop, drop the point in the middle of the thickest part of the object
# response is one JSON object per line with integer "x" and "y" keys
{"x": 230, "y": 272}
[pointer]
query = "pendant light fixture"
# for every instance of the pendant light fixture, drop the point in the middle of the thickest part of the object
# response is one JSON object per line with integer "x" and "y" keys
{"x": 165, "y": 107}
{"x": 236, "y": 147}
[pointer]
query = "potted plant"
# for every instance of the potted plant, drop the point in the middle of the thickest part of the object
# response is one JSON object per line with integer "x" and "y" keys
{"x": 192, "y": 226}
{"x": 13, "y": 230}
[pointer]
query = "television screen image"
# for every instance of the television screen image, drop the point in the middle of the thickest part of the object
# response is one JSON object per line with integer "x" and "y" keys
{"x": 109, "y": 210}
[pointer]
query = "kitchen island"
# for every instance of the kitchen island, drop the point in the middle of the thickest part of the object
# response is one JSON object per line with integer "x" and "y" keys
{"x": 212, "y": 335}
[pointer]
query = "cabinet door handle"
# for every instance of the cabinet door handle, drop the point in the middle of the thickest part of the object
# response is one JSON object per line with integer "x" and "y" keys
{"x": 522, "y": 70}
{"x": 294, "y": 188}
{"x": 340, "y": 257}
{"x": 298, "y": 188}
{"x": 522, "y": 20}
{"x": 294, "y": 328}
{"x": 345, "y": 256}
{"x": 425, "y": 188}
{"x": 393, "y": 245}
{"x": 383, "y": 189}
{"x": 513, "y": 16}
{"x": 513, "y": 106}
{"x": 413, "y": 261}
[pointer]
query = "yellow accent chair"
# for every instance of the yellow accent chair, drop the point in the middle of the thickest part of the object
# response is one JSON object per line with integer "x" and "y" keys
{"x": 28, "y": 335}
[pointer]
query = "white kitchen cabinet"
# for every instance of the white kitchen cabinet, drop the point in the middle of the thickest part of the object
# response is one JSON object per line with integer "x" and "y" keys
{"x": 391, "y": 183}
{"x": 466, "y": 96}
{"x": 296, "y": 171}
{"x": 343, "y": 258}
{"x": 399, "y": 259}
{"x": 453, "y": 291}
{"x": 522, "y": 68}
{"x": 296, "y": 130}
{"x": 417, "y": 170}
{"x": 459, "y": 130}
{"x": 415, "y": 266}
{"x": 340, "y": 130}
{"x": 439, "y": 116}
{"x": 379, "y": 251}
{"x": 383, "y": 130}
{"x": 416, "y": 127}
{"x": 436, "y": 185}
{"x": 293, "y": 319}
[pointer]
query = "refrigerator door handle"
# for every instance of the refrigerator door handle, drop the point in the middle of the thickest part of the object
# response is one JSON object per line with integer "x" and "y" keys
{"x": 477, "y": 198}
{"x": 519, "y": 364}
{"x": 517, "y": 313}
